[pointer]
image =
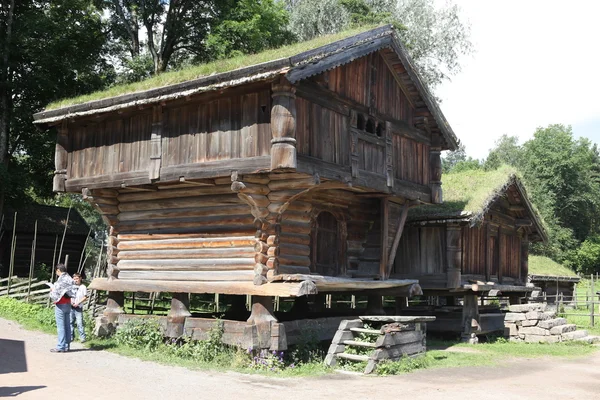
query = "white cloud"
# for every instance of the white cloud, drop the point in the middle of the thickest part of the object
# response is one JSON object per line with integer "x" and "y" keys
{"x": 536, "y": 63}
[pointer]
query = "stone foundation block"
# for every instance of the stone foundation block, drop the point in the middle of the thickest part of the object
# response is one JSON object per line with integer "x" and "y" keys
{"x": 551, "y": 323}
{"x": 559, "y": 330}
{"x": 534, "y": 330}
{"x": 537, "y": 315}
{"x": 529, "y": 322}
{"x": 523, "y": 308}
{"x": 550, "y": 314}
{"x": 541, "y": 339}
{"x": 513, "y": 317}
{"x": 510, "y": 330}
{"x": 573, "y": 335}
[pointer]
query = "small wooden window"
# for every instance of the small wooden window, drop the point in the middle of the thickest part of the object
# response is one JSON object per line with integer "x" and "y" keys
{"x": 370, "y": 128}
{"x": 326, "y": 245}
{"x": 360, "y": 122}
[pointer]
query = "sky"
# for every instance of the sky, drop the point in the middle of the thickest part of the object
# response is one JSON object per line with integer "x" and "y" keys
{"x": 535, "y": 63}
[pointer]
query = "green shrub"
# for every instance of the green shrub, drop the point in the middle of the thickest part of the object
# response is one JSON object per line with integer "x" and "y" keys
{"x": 140, "y": 333}
{"x": 401, "y": 366}
{"x": 207, "y": 350}
{"x": 308, "y": 349}
{"x": 25, "y": 313}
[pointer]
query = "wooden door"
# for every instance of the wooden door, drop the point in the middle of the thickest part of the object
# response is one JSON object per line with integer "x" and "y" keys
{"x": 326, "y": 245}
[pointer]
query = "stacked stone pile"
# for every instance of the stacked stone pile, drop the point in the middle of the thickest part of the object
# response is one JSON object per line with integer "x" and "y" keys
{"x": 533, "y": 323}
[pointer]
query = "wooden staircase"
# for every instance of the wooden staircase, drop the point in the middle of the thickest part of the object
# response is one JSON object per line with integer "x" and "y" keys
{"x": 398, "y": 337}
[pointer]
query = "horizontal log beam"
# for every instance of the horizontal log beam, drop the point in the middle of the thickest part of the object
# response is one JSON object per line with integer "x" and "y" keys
{"x": 191, "y": 243}
{"x": 282, "y": 289}
{"x": 234, "y": 275}
{"x": 223, "y": 264}
{"x": 204, "y": 253}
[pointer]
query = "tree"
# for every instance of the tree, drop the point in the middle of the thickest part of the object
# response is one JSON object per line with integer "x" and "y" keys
{"x": 6, "y": 24}
{"x": 55, "y": 51}
{"x": 435, "y": 36}
{"x": 506, "y": 151}
{"x": 180, "y": 30}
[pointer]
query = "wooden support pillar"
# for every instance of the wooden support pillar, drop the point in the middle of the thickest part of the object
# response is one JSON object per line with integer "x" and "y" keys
{"x": 435, "y": 167}
{"x": 354, "y": 155}
{"x": 453, "y": 255}
{"x": 470, "y": 319}
{"x": 401, "y": 305}
{"x": 283, "y": 126}
{"x": 375, "y": 305}
{"x": 262, "y": 310}
{"x": 114, "y": 306}
{"x": 238, "y": 310}
{"x": 514, "y": 299}
{"x": 180, "y": 304}
{"x": 524, "y": 257}
{"x": 61, "y": 155}
{"x": 385, "y": 232}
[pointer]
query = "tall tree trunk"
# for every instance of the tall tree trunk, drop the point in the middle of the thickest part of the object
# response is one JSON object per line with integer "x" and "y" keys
{"x": 5, "y": 103}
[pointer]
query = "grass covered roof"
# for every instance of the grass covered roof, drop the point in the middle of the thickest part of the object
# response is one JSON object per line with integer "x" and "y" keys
{"x": 211, "y": 68}
{"x": 468, "y": 194}
{"x": 539, "y": 265}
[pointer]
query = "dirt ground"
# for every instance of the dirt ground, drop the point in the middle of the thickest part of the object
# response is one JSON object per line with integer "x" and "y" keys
{"x": 103, "y": 375}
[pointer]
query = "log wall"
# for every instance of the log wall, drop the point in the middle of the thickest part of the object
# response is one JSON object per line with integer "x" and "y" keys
{"x": 194, "y": 233}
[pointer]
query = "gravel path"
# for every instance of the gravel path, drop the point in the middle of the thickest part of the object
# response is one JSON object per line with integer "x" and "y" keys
{"x": 103, "y": 375}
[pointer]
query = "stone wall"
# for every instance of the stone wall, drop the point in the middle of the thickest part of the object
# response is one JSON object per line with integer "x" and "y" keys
{"x": 534, "y": 323}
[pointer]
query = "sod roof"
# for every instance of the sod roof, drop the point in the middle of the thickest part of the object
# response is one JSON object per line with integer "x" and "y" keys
{"x": 467, "y": 196}
{"x": 295, "y": 62}
{"x": 208, "y": 69}
{"x": 544, "y": 266}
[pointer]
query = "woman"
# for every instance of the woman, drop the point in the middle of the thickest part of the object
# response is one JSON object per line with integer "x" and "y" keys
{"x": 61, "y": 294}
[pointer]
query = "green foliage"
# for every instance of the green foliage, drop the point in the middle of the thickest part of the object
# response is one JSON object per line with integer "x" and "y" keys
{"x": 586, "y": 259}
{"x": 140, "y": 333}
{"x": 30, "y": 315}
{"x": 207, "y": 350}
{"x": 506, "y": 151}
{"x": 402, "y": 366}
{"x": 308, "y": 349}
{"x": 265, "y": 360}
{"x": 457, "y": 161}
{"x": 248, "y": 28}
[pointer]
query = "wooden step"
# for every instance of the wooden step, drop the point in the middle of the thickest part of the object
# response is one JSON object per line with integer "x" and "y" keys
{"x": 352, "y": 357}
{"x": 359, "y": 343}
{"x": 367, "y": 331}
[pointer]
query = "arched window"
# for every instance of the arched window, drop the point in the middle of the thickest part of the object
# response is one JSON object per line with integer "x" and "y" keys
{"x": 326, "y": 245}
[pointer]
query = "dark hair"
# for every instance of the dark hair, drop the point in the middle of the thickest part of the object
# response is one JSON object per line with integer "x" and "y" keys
{"x": 76, "y": 275}
{"x": 61, "y": 267}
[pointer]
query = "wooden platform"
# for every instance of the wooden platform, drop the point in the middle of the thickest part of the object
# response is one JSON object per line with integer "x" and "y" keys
{"x": 282, "y": 285}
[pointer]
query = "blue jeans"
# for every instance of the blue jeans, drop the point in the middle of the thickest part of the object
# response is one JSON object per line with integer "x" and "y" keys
{"x": 77, "y": 316}
{"x": 62, "y": 313}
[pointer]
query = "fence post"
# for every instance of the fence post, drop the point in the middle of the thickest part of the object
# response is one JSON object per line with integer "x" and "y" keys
{"x": 592, "y": 308}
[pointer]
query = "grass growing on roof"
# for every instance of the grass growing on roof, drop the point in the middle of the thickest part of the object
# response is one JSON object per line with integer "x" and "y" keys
{"x": 211, "y": 68}
{"x": 539, "y": 265}
{"x": 467, "y": 191}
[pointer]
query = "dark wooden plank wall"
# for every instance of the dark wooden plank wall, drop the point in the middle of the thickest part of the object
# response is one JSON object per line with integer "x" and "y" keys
{"x": 236, "y": 126}
{"x": 370, "y": 82}
{"x": 473, "y": 250}
{"x": 422, "y": 251}
{"x": 322, "y": 133}
{"x": 110, "y": 146}
{"x": 510, "y": 256}
{"x": 411, "y": 160}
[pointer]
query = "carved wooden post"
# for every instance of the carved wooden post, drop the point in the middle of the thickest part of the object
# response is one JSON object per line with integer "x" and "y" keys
{"x": 180, "y": 304}
{"x": 375, "y": 305}
{"x": 61, "y": 155}
{"x": 435, "y": 162}
{"x": 283, "y": 126}
{"x": 453, "y": 255}
{"x": 389, "y": 155}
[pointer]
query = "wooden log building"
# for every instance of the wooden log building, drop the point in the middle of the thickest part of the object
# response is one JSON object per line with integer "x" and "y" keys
{"x": 551, "y": 279}
{"x": 288, "y": 178}
{"x": 474, "y": 244}
{"x": 51, "y": 224}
